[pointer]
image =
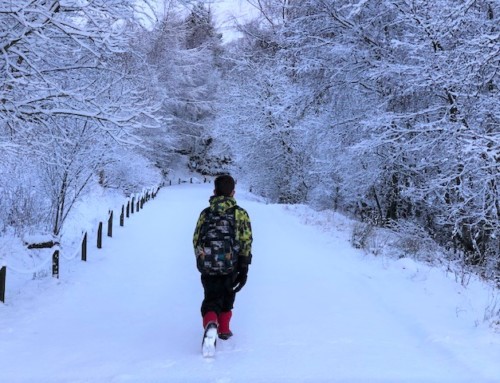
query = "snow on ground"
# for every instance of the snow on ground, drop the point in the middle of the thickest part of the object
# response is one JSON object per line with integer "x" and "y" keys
{"x": 314, "y": 310}
{"x": 27, "y": 269}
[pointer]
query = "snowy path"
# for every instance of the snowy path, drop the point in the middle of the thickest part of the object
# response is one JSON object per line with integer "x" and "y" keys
{"x": 314, "y": 309}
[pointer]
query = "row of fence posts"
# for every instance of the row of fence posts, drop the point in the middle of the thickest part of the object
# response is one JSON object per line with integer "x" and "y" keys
{"x": 133, "y": 206}
{"x": 205, "y": 180}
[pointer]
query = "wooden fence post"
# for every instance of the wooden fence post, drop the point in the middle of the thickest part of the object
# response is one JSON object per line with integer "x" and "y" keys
{"x": 84, "y": 248}
{"x": 133, "y": 204}
{"x": 55, "y": 264}
{"x": 128, "y": 209}
{"x": 122, "y": 216}
{"x": 138, "y": 205}
{"x": 3, "y": 278}
{"x": 99, "y": 236}
{"x": 110, "y": 224}
{"x": 142, "y": 203}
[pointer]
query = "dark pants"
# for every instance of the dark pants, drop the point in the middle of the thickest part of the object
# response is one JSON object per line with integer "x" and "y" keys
{"x": 219, "y": 294}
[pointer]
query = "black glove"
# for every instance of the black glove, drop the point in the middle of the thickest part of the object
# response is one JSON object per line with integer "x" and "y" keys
{"x": 241, "y": 279}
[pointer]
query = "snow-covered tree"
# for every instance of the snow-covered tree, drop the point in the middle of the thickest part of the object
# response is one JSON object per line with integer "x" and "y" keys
{"x": 55, "y": 64}
{"x": 400, "y": 104}
{"x": 183, "y": 54}
{"x": 65, "y": 93}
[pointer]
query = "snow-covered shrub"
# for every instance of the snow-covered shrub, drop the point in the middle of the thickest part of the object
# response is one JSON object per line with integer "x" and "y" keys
{"x": 130, "y": 173}
{"x": 377, "y": 243}
{"x": 492, "y": 311}
{"x": 22, "y": 208}
{"x": 360, "y": 234}
{"x": 413, "y": 241}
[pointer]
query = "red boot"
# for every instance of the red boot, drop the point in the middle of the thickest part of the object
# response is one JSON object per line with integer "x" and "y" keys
{"x": 210, "y": 317}
{"x": 210, "y": 335}
{"x": 224, "y": 331}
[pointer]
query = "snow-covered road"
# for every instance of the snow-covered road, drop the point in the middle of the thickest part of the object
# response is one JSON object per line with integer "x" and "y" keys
{"x": 314, "y": 310}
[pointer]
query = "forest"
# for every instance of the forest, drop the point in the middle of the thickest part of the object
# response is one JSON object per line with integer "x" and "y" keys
{"x": 385, "y": 110}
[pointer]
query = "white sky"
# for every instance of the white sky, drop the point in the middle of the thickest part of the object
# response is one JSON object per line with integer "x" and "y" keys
{"x": 229, "y": 11}
{"x": 226, "y": 13}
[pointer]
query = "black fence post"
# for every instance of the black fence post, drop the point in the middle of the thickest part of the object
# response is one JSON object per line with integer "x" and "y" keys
{"x": 142, "y": 203}
{"x": 99, "y": 236}
{"x": 3, "y": 278}
{"x": 133, "y": 204}
{"x": 84, "y": 248}
{"x": 110, "y": 224}
{"x": 128, "y": 209}
{"x": 122, "y": 216}
{"x": 138, "y": 205}
{"x": 55, "y": 264}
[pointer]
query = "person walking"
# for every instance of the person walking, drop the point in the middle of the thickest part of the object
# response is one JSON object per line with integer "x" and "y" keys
{"x": 222, "y": 243}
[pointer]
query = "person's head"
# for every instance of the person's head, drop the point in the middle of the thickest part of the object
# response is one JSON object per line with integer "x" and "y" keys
{"x": 224, "y": 185}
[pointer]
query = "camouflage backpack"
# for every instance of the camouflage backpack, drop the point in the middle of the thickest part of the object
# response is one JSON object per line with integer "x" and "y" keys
{"x": 218, "y": 241}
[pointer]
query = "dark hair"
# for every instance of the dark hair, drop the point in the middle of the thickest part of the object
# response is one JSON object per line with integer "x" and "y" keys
{"x": 224, "y": 185}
